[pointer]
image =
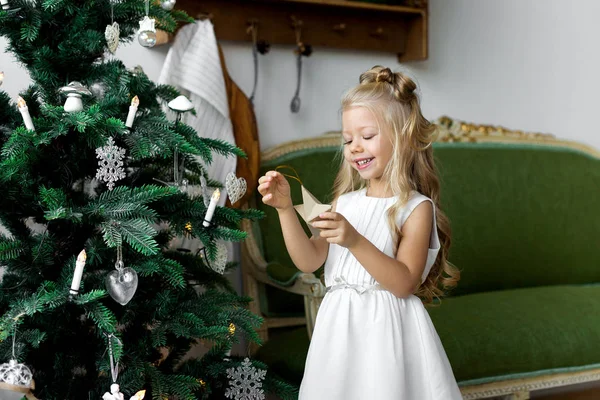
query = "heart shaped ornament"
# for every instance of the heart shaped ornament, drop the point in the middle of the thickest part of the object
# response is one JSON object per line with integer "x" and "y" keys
{"x": 218, "y": 265}
{"x": 121, "y": 284}
{"x": 236, "y": 187}
{"x": 112, "y": 34}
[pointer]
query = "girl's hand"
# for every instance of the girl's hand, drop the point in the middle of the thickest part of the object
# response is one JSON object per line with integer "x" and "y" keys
{"x": 275, "y": 190}
{"x": 336, "y": 229}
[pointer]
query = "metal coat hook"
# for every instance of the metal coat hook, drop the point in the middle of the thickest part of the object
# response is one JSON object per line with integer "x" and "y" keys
{"x": 339, "y": 28}
{"x": 261, "y": 47}
{"x": 377, "y": 33}
{"x": 301, "y": 50}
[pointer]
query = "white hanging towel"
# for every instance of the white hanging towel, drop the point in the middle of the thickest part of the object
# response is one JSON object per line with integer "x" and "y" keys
{"x": 193, "y": 66}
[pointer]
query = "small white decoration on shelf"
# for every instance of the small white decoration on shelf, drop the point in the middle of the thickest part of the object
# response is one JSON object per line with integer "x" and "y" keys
{"x": 214, "y": 199}
{"x": 135, "y": 102}
{"x": 246, "y": 382}
{"x": 110, "y": 164}
{"x": 236, "y": 187}
{"x": 79, "y": 264}
{"x": 112, "y": 34}
{"x": 22, "y": 106}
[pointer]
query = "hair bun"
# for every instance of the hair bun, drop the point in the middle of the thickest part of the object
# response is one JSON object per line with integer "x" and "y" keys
{"x": 385, "y": 75}
{"x": 401, "y": 86}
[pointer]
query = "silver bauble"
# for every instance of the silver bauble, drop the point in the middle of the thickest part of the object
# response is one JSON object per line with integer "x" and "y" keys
{"x": 167, "y": 4}
{"x": 147, "y": 38}
{"x": 147, "y": 32}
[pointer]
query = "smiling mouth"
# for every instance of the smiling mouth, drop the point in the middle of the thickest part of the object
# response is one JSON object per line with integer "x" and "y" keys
{"x": 364, "y": 163}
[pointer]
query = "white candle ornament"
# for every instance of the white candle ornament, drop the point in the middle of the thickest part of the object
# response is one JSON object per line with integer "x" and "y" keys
{"x": 25, "y": 113}
{"x": 135, "y": 102}
{"x": 78, "y": 272}
{"x": 214, "y": 199}
{"x": 1, "y": 78}
{"x": 5, "y": 5}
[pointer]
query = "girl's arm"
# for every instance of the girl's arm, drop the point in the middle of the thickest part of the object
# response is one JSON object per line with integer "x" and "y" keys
{"x": 401, "y": 275}
{"x": 307, "y": 254}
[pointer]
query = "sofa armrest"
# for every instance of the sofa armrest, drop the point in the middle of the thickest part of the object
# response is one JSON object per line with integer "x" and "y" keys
{"x": 304, "y": 284}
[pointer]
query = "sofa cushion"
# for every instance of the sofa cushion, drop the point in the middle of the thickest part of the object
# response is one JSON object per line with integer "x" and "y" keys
{"x": 521, "y": 215}
{"x": 494, "y": 335}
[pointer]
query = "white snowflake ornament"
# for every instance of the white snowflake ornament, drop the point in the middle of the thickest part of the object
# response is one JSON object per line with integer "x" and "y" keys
{"x": 245, "y": 383}
{"x": 110, "y": 163}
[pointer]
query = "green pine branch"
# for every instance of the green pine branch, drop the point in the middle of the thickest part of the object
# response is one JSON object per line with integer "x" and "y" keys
{"x": 10, "y": 249}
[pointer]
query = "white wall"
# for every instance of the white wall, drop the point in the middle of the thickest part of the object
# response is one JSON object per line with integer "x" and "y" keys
{"x": 529, "y": 65}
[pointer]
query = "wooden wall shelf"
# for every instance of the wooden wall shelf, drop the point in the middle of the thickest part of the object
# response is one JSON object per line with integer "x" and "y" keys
{"x": 342, "y": 24}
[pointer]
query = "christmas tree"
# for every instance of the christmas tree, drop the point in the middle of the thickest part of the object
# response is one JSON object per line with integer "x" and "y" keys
{"x": 93, "y": 179}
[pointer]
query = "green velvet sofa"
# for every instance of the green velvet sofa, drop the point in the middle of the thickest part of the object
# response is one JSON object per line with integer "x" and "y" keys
{"x": 525, "y": 215}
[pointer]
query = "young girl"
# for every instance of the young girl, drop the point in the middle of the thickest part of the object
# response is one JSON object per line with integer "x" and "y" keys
{"x": 384, "y": 243}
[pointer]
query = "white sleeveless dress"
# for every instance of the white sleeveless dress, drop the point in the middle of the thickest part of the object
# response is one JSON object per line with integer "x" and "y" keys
{"x": 367, "y": 343}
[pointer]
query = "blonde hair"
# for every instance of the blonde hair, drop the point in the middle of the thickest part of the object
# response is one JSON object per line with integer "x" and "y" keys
{"x": 392, "y": 99}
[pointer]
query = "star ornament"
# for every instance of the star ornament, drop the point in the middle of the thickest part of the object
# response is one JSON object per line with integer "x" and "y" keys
{"x": 139, "y": 395}
{"x": 311, "y": 207}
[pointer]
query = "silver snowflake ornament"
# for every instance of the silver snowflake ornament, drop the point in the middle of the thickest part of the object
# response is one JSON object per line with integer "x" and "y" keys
{"x": 110, "y": 163}
{"x": 245, "y": 383}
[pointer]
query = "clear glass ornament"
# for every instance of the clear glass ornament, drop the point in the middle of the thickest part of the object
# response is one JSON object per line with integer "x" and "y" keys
{"x": 147, "y": 38}
{"x": 121, "y": 283}
{"x": 147, "y": 32}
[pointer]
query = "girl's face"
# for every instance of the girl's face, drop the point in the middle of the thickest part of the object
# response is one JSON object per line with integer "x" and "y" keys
{"x": 366, "y": 148}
